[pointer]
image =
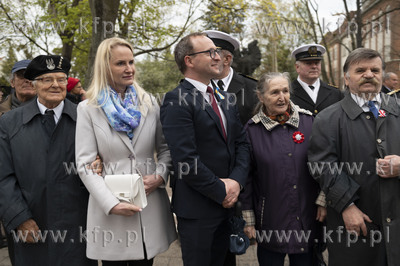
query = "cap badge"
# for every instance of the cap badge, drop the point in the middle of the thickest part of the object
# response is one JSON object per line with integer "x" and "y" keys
{"x": 312, "y": 51}
{"x": 50, "y": 64}
{"x": 60, "y": 63}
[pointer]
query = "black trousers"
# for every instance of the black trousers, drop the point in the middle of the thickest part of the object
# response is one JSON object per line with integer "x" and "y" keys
{"x": 128, "y": 263}
{"x": 204, "y": 241}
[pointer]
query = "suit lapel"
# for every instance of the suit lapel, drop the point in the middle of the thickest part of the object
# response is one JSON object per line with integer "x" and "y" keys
{"x": 389, "y": 105}
{"x": 299, "y": 92}
{"x": 236, "y": 84}
{"x": 123, "y": 136}
{"x": 137, "y": 130}
{"x": 200, "y": 101}
{"x": 225, "y": 111}
{"x": 323, "y": 93}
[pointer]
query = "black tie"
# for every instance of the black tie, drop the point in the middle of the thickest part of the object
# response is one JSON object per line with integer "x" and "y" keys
{"x": 48, "y": 120}
{"x": 311, "y": 87}
{"x": 220, "y": 84}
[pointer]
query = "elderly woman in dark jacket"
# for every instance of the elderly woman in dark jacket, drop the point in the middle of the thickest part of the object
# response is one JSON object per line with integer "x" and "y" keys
{"x": 279, "y": 200}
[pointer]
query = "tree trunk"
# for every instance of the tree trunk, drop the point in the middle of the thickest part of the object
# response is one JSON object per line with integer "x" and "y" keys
{"x": 104, "y": 15}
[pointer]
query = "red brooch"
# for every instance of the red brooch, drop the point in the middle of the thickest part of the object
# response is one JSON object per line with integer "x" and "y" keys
{"x": 298, "y": 137}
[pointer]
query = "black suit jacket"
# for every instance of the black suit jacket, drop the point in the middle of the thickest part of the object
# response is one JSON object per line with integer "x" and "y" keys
{"x": 385, "y": 89}
{"x": 396, "y": 94}
{"x": 244, "y": 89}
{"x": 327, "y": 95}
{"x": 200, "y": 153}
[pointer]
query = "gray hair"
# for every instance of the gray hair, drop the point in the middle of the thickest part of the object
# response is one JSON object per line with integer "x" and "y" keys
{"x": 263, "y": 85}
{"x": 360, "y": 54}
{"x": 388, "y": 75}
{"x": 225, "y": 53}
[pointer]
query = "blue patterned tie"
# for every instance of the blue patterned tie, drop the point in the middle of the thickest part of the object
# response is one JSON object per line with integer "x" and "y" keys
{"x": 373, "y": 109}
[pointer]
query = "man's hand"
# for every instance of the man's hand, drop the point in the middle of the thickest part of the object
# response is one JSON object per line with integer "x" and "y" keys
{"x": 96, "y": 166}
{"x": 125, "y": 209}
{"x": 152, "y": 182}
{"x": 388, "y": 167}
{"x": 321, "y": 214}
{"x": 250, "y": 232}
{"x": 30, "y": 229}
{"x": 232, "y": 189}
{"x": 354, "y": 219}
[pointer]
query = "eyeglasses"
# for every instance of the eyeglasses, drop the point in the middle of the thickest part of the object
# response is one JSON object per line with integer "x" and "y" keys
{"x": 213, "y": 52}
{"x": 50, "y": 81}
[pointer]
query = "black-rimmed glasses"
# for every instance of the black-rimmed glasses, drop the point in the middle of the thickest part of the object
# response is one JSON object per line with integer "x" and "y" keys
{"x": 211, "y": 51}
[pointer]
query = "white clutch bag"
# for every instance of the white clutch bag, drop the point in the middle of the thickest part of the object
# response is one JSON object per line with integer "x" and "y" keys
{"x": 129, "y": 188}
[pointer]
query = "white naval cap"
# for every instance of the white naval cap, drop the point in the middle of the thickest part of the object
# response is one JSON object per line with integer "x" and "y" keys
{"x": 308, "y": 52}
{"x": 223, "y": 40}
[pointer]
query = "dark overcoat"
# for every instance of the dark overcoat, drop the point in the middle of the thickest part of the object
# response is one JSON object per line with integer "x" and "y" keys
{"x": 327, "y": 95}
{"x": 38, "y": 181}
{"x": 344, "y": 147}
{"x": 279, "y": 188}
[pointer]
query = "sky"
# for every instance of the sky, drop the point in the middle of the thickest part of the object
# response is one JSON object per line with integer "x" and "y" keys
{"x": 327, "y": 8}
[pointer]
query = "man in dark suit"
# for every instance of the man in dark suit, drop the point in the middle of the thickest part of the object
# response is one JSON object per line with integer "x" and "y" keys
{"x": 390, "y": 84}
{"x": 308, "y": 91}
{"x": 241, "y": 86}
{"x": 209, "y": 151}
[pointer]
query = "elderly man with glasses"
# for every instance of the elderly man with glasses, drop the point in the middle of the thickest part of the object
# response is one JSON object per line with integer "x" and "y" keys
{"x": 43, "y": 203}
{"x": 209, "y": 152}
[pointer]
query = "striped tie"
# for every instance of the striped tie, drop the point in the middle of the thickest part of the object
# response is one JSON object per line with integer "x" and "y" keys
{"x": 215, "y": 108}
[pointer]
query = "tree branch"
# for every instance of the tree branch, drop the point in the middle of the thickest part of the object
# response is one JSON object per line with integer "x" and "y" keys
{"x": 187, "y": 23}
{"x": 20, "y": 30}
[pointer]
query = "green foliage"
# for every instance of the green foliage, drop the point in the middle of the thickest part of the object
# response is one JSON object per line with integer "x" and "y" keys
{"x": 280, "y": 26}
{"x": 49, "y": 23}
{"x": 227, "y": 16}
{"x": 65, "y": 27}
{"x": 7, "y": 65}
{"x": 158, "y": 75}
{"x": 71, "y": 21}
{"x": 149, "y": 25}
{"x": 285, "y": 64}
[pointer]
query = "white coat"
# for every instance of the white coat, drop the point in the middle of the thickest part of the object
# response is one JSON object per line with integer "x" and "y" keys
{"x": 115, "y": 237}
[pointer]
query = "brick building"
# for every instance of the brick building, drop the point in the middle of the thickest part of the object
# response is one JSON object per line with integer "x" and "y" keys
{"x": 380, "y": 31}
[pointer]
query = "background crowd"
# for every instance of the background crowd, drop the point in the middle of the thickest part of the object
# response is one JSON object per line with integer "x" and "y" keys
{"x": 218, "y": 138}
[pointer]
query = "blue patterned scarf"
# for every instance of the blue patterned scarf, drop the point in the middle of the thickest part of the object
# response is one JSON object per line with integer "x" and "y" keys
{"x": 123, "y": 115}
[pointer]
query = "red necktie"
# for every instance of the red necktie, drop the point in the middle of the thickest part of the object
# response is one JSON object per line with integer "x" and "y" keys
{"x": 215, "y": 108}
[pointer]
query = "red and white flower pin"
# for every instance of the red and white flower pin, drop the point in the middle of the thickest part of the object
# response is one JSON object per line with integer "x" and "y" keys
{"x": 298, "y": 137}
{"x": 382, "y": 113}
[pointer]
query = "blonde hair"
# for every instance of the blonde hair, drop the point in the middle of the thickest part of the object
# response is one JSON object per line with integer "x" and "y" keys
{"x": 102, "y": 70}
